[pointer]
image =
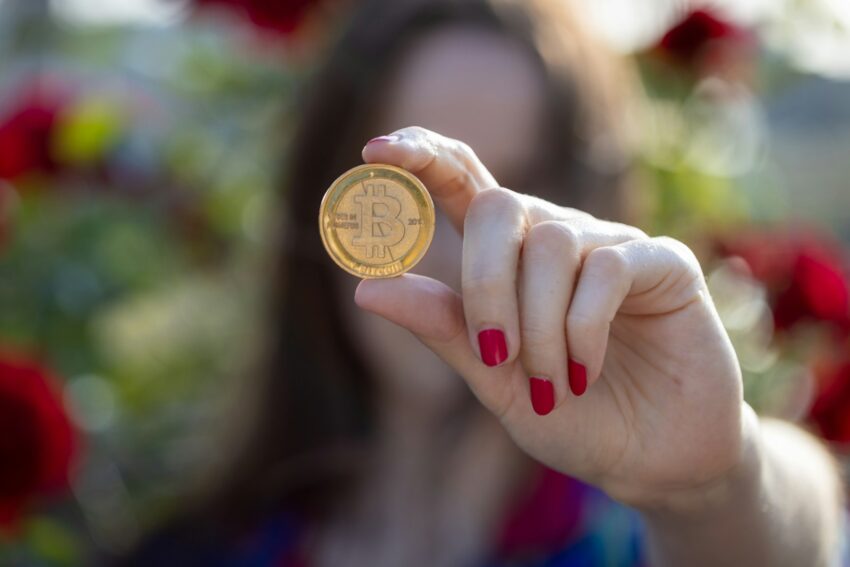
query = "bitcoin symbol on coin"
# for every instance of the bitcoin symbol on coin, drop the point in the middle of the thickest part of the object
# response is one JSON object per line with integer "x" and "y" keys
{"x": 380, "y": 227}
{"x": 376, "y": 221}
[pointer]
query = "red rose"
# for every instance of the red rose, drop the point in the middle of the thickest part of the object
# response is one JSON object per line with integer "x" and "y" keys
{"x": 26, "y": 128}
{"x": 283, "y": 16}
{"x": 703, "y": 39}
{"x": 818, "y": 291}
{"x": 804, "y": 274}
{"x": 829, "y": 412}
{"x": 37, "y": 442}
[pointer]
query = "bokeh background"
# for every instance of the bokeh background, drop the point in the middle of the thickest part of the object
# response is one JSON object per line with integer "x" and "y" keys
{"x": 140, "y": 145}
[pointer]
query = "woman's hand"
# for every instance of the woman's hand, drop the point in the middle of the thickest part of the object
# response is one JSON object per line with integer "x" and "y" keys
{"x": 598, "y": 347}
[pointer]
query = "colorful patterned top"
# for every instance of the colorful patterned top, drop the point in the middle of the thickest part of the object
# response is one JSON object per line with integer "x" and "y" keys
{"x": 561, "y": 522}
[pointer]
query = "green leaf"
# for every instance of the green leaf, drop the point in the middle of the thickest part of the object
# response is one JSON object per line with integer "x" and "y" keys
{"x": 51, "y": 541}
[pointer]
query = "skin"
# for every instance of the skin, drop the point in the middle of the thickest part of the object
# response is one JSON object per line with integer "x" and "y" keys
{"x": 662, "y": 425}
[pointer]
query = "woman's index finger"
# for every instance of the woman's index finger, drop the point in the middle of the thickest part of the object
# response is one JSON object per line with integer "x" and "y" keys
{"x": 449, "y": 169}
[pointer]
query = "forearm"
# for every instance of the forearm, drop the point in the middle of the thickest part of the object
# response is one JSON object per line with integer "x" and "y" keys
{"x": 781, "y": 506}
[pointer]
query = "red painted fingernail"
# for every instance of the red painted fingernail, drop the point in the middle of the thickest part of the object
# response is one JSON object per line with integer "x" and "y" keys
{"x": 492, "y": 345}
{"x": 542, "y": 395}
{"x": 391, "y": 138}
{"x": 578, "y": 377}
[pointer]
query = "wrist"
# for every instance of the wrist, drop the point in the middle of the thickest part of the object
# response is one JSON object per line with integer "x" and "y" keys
{"x": 741, "y": 480}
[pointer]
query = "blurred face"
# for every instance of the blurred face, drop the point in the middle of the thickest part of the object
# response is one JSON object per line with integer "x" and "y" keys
{"x": 479, "y": 87}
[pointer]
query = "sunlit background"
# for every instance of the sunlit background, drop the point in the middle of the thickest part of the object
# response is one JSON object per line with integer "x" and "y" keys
{"x": 140, "y": 143}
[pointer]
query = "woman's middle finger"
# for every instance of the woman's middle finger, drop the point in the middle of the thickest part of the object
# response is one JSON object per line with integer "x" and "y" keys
{"x": 551, "y": 256}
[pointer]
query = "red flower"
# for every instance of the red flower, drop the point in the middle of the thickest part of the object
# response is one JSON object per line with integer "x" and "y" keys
{"x": 818, "y": 291}
{"x": 283, "y": 16}
{"x": 37, "y": 442}
{"x": 26, "y": 130}
{"x": 829, "y": 411}
{"x": 804, "y": 274}
{"x": 692, "y": 41}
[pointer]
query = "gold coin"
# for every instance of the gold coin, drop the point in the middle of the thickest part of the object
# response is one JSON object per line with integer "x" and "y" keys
{"x": 376, "y": 221}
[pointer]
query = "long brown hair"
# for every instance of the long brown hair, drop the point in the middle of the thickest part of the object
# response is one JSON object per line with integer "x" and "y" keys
{"x": 313, "y": 414}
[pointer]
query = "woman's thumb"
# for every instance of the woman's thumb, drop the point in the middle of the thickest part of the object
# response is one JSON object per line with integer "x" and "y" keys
{"x": 424, "y": 306}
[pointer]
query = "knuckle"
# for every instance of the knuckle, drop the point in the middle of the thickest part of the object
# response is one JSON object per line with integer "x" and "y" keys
{"x": 681, "y": 252}
{"x": 552, "y": 239}
{"x": 609, "y": 261}
{"x": 492, "y": 201}
{"x": 461, "y": 150}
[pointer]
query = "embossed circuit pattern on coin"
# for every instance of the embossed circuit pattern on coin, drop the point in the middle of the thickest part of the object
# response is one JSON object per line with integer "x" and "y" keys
{"x": 376, "y": 221}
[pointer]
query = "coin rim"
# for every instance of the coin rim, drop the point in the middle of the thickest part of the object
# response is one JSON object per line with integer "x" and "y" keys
{"x": 415, "y": 183}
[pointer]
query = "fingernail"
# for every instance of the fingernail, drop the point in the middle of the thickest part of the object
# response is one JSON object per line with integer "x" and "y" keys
{"x": 578, "y": 377}
{"x": 542, "y": 395}
{"x": 391, "y": 138}
{"x": 492, "y": 345}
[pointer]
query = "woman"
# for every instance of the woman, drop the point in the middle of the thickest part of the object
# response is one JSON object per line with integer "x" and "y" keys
{"x": 541, "y": 336}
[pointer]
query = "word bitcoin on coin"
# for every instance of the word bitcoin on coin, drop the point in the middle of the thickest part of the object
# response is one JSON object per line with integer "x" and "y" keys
{"x": 376, "y": 221}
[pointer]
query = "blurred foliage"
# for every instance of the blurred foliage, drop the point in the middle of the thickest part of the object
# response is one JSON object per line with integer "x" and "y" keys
{"x": 129, "y": 250}
{"x": 709, "y": 177}
{"x": 132, "y": 231}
